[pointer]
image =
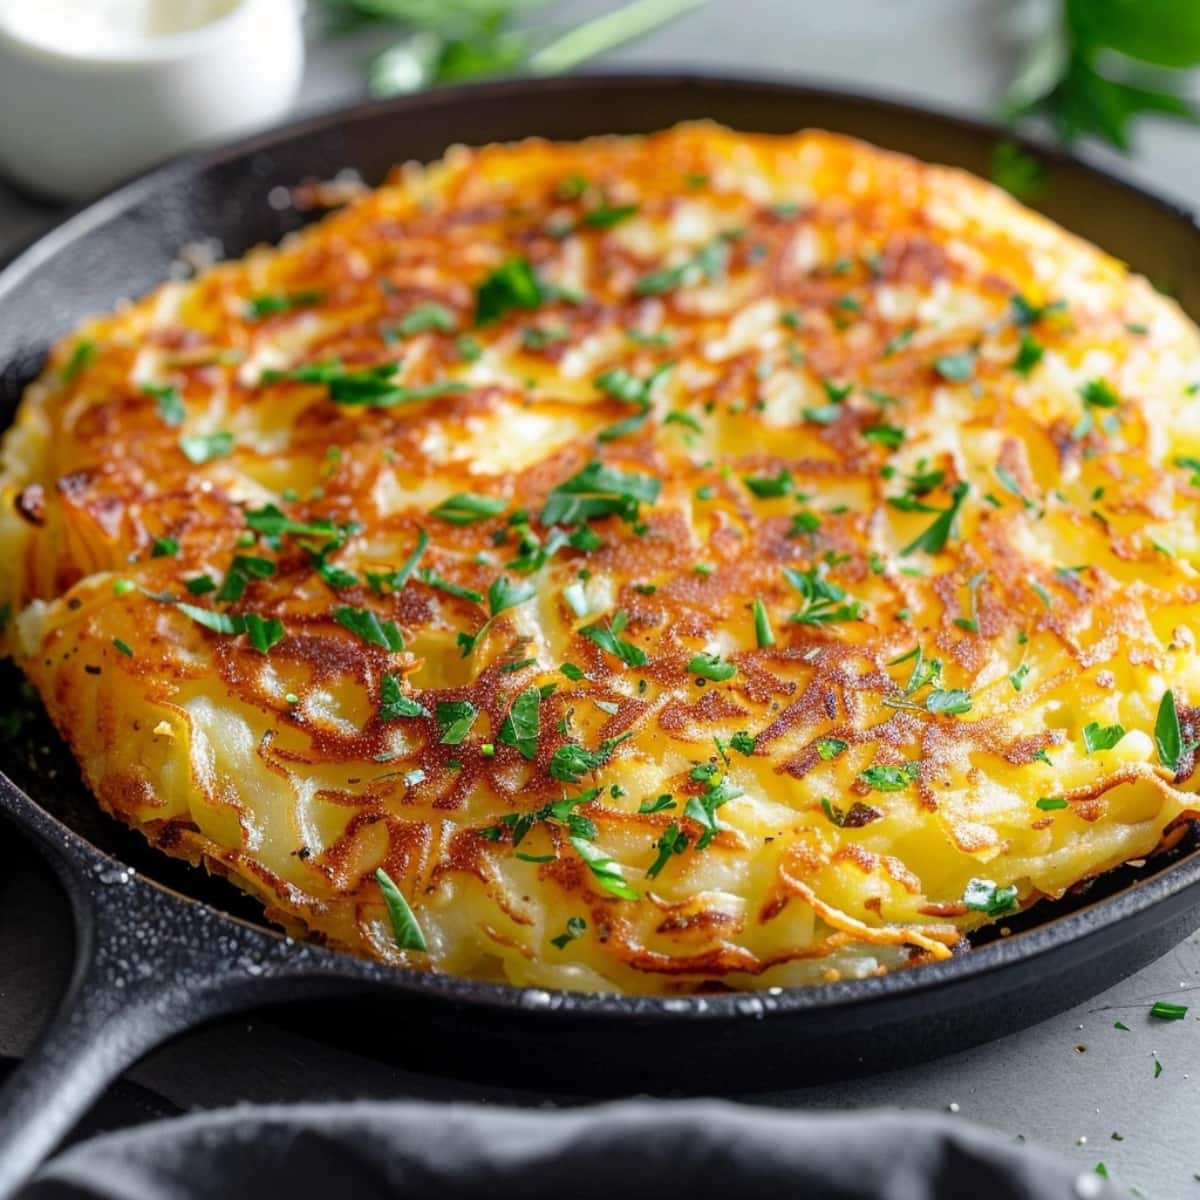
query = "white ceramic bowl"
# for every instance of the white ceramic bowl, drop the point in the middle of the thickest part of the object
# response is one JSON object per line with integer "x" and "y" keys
{"x": 74, "y": 121}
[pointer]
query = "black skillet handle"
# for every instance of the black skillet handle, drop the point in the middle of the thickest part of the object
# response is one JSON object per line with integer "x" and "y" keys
{"x": 149, "y": 965}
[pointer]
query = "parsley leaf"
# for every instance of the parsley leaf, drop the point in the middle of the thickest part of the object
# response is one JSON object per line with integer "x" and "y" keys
{"x": 608, "y": 874}
{"x": 889, "y": 778}
{"x": 673, "y": 841}
{"x": 933, "y": 540}
{"x": 708, "y": 264}
{"x": 363, "y": 623}
{"x": 712, "y": 666}
{"x": 241, "y": 571}
{"x": 455, "y": 718}
{"x": 201, "y": 448}
{"x": 572, "y": 761}
{"x": 394, "y": 704}
{"x": 599, "y": 491}
{"x": 405, "y": 930}
{"x": 427, "y": 317}
{"x": 513, "y": 285}
{"x": 467, "y": 507}
{"x": 576, "y": 926}
{"x": 606, "y": 636}
{"x": 822, "y": 598}
{"x": 522, "y": 724}
{"x": 1101, "y": 737}
{"x": 258, "y": 307}
{"x": 982, "y": 895}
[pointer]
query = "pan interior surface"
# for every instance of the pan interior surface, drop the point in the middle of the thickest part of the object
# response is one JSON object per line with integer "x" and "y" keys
{"x": 128, "y": 243}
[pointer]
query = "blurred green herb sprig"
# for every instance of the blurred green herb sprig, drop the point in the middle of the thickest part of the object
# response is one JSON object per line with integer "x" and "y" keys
{"x": 1104, "y": 63}
{"x": 450, "y": 41}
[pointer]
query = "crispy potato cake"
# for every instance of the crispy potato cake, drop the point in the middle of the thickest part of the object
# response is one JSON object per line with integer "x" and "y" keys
{"x": 645, "y": 564}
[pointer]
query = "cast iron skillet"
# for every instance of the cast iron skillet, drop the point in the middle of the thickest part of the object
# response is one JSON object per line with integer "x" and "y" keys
{"x": 153, "y": 961}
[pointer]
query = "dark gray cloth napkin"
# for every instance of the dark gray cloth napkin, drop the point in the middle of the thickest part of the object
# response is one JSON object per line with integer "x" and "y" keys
{"x": 693, "y": 1149}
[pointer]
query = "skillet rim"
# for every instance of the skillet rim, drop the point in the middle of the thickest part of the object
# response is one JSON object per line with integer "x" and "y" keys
{"x": 1100, "y": 919}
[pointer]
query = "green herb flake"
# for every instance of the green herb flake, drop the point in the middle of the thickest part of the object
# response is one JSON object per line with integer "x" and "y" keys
{"x": 829, "y": 748}
{"x": 260, "y": 307}
{"x": 522, "y": 724}
{"x": 1052, "y": 803}
{"x": 956, "y": 368}
{"x": 514, "y": 285}
{"x": 464, "y": 508}
{"x": 405, "y": 931}
{"x": 123, "y": 647}
{"x": 164, "y": 547}
{"x": 1101, "y": 737}
{"x": 364, "y": 624}
{"x": 608, "y": 874}
{"x": 394, "y": 704}
{"x": 202, "y": 448}
{"x": 890, "y": 778}
{"x": 712, "y": 666}
{"x": 606, "y": 636}
{"x": 982, "y": 895}
{"x": 455, "y": 718}
{"x": 170, "y": 402}
{"x": 429, "y": 317}
{"x": 1165, "y": 1011}
{"x": 576, "y": 927}
{"x": 764, "y": 635}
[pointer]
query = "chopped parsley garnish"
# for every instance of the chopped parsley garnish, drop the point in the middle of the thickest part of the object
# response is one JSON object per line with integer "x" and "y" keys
{"x": 164, "y": 547}
{"x": 764, "y": 635}
{"x": 888, "y": 778}
{"x": 398, "y": 578}
{"x": 1026, "y": 314}
{"x": 201, "y": 448}
{"x": 405, "y": 931}
{"x": 241, "y": 571}
{"x": 822, "y": 598}
{"x": 952, "y": 702}
{"x": 513, "y": 285}
{"x": 605, "y": 216}
{"x": 1095, "y": 394}
{"x": 522, "y": 724}
{"x": 467, "y": 507}
{"x": 83, "y": 354}
{"x": 538, "y": 337}
{"x": 956, "y": 368}
{"x": 1101, "y": 737}
{"x": 712, "y": 666}
{"x": 258, "y": 307}
{"x": 982, "y": 895}
{"x": 364, "y": 624}
{"x": 1009, "y": 484}
{"x": 673, "y": 841}
{"x": 502, "y": 595}
{"x": 703, "y": 808}
{"x": 429, "y": 317}
{"x": 455, "y": 718}
{"x": 1165, "y": 1011}
{"x": 170, "y": 402}
{"x": 599, "y": 491}
{"x": 124, "y": 647}
{"x": 199, "y": 585}
{"x": 1051, "y": 803}
{"x": 708, "y": 264}
{"x": 608, "y": 874}
{"x": 576, "y": 927}
{"x": 371, "y": 387}
{"x": 606, "y": 635}
{"x": 767, "y": 487}
{"x": 572, "y": 761}
{"x": 273, "y": 524}
{"x": 1018, "y": 677}
{"x": 657, "y": 804}
{"x": 1190, "y": 464}
{"x": 429, "y": 576}
{"x": 261, "y": 632}
{"x": 898, "y": 341}
{"x": 1029, "y": 354}
{"x": 743, "y": 743}
{"x": 394, "y": 704}
{"x": 1168, "y": 735}
{"x": 933, "y": 539}
{"x": 829, "y": 748}
{"x": 889, "y": 436}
